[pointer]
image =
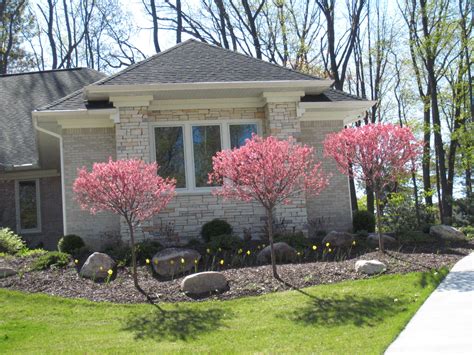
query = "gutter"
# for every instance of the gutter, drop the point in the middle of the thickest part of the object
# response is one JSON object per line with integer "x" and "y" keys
{"x": 63, "y": 187}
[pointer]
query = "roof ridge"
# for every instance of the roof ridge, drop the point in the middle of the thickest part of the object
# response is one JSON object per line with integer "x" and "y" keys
{"x": 47, "y": 71}
{"x": 255, "y": 59}
{"x": 135, "y": 65}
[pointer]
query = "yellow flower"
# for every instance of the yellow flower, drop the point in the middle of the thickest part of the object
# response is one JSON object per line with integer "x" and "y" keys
{"x": 171, "y": 262}
{"x": 354, "y": 242}
{"x": 315, "y": 247}
{"x": 263, "y": 245}
{"x": 258, "y": 247}
{"x": 219, "y": 249}
{"x": 298, "y": 253}
{"x": 147, "y": 261}
{"x": 208, "y": 251}
{"x": 330, "y": 250}
{"x": 221, "y": 262}
{"x": 182, "y": 260}
{"x": 328, "y": 244}
{"x": 240, "y": 251}
{"x": 110, "y": 272}
{"x": 101, "y": 268}
{"x": 155, "y": 261}
{"x": 76, "y": 261}
{"x": 248, "y": 252}
{"x": 195, "y": 261}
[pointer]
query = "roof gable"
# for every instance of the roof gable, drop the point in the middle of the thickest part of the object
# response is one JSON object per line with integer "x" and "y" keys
{"x": 194, "y": 62}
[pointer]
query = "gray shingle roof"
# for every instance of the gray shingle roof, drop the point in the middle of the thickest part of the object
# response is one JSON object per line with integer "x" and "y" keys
{"x": 193, "y": 61}
{"x": 332, "y": 95}
{"x": 22, "y": 93}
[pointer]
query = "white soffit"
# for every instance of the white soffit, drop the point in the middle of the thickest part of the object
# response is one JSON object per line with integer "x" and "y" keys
{"x": 348, "y": 111}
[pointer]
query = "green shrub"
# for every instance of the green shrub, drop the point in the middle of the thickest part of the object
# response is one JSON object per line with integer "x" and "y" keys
{"x": 69, "y": 243}
{"x": 10, "y": 243}
{"x": 363, "y": 221}
{"x": 52, "y": 258}
{"x": 415, "y": 237}
{"x": 194, "y": 243}
{"x": 122, "y": 252}
{"x": 147, "y": 249}
{"x": 296, "y": 240}
{"x": 468, "y": 231}
{"x": 24, "y": 253}
{"x": 225, "y": 242}
{"x": 215, "y": 228}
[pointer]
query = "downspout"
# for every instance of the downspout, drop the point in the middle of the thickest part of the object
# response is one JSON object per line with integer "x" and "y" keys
{"x": 63, "y": 187}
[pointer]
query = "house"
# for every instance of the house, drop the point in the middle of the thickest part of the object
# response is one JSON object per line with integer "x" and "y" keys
{"x": 30, "y": 179}
{"x": 181, "y": 106}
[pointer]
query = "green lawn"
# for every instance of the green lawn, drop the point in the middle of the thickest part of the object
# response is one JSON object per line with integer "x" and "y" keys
{"x": 350, "y": 317}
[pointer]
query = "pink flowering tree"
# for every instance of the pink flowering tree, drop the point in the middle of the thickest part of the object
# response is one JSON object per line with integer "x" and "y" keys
{"x": 269, "y": 171}
{"x": 379, "y": 154}
{"x": 130, "y": 188}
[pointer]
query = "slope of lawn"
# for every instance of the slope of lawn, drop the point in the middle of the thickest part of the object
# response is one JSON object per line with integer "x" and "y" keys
{"x": 350, "y": 317}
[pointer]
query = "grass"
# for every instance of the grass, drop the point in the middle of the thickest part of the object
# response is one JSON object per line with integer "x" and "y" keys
{"x": 361, "y": 316}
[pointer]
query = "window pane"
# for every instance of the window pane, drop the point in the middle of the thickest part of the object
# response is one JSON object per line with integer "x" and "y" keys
{"x": 239, "y": 133}
{"x": 170, "y": 153}
{"x": 206, "y": 143}
{"x": 28, "y": 207}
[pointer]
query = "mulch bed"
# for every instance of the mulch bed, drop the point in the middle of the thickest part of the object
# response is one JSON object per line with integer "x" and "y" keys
{"x": 249, "y": 281}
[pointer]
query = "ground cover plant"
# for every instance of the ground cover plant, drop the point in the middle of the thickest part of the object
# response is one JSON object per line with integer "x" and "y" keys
{"x": 361, "y": 316}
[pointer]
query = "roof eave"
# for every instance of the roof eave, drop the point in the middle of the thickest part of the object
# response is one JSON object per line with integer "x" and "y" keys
{"x": 103, "y": 91}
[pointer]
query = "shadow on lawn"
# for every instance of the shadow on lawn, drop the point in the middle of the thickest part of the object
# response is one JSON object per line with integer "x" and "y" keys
{"x": 357, "y": 310}
{"x": 176, "y": 324}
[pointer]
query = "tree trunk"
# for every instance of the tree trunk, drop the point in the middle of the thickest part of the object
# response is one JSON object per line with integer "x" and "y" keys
{"x": 134, "y": 258}
{"x": 270, "y": 238}
{"x": 426, "y": 152}
{"x": 379, "y": 221}
{"x": 353, "y": 194}
{"x": 370, "y": 200}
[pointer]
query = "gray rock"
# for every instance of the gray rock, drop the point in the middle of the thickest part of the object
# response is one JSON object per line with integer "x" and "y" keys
{"x": 97, "y": 267}
{"x": 447, "y": 233}
{"x": 174, "y": 261}
{"x": 204, "y": 283}
{"x": 370, "y": 267}
{"x": 338, "y": 239}
{"x": 283, "y": 252}
{"x": 388, "y": 241}
{"x": 6, "y": 272}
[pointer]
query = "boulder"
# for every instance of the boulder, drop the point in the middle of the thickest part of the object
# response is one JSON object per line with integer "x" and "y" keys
{"x": 388, "y": 241}
{"x": 444, "y": 232}
{"x": 204, "y": 283}
{"x": 6, "y": 272}
{"x": 174, "y": 261}
{"x": 338, "y": 239}
{"x": 283, "y": 252}
{"x": 370, "y": 267}
{"x": 97, "y": 267}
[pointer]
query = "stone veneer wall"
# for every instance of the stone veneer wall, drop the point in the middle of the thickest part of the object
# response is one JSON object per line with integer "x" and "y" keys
{"x": 82, "y": 147}
{"x": 332, "y": 207}
{"x": 188, "y": 212}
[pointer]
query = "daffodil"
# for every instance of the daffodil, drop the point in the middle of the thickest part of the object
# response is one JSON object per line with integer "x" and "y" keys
{"x": 147, "y": 261}
{"x": 221, "y": 262}
{"x": 155, "y": 261}
{"x": 298, "y": 253}
{"x": 354, "y": 242}
{"x": 171, "y": 262}
{"x": 328, "y": 244}
{"x": 110, "y": 272}
{"x": 315, "y": 247}
{"x": 182, "y": 260}
{"x": 240, "y": 251}
{"x": 208, "y": 251}
{"x": 76, "y": 261}
{"x": 330, "y": 250}
{"x": 248, "y": 252}
{"x": 101, "y": 268}
{"x": 219, "y": 249}
{"x": 195, "y": 261}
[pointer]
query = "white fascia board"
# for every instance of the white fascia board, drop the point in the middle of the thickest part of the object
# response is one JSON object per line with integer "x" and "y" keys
{"x": 81, "y": 118}
{"x": 276, "y": 84}
{"x": 241, "y": 102}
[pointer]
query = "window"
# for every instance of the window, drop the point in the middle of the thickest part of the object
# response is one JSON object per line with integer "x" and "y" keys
{"x": 184, "y": 150}
{"x": 240, "y": 132}
{"x": 169, "y": 145}
{"x": 206, "y": 143}
{"x": 28, "y": 206}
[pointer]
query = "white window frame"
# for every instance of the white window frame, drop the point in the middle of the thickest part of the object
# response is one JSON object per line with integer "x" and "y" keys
{"x": 38, "y": 207}
{"x": 189, "y": 146}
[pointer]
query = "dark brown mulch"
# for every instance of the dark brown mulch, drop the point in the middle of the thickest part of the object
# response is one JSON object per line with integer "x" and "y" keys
{"x": 247, "y": 281}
